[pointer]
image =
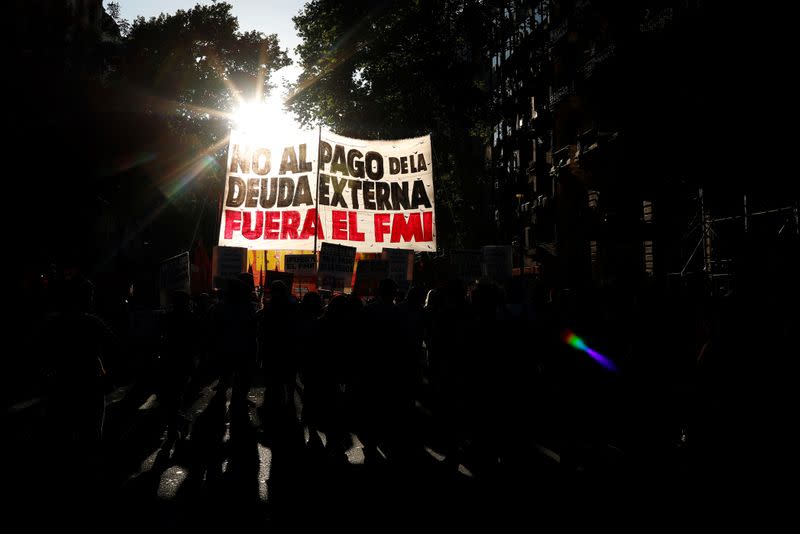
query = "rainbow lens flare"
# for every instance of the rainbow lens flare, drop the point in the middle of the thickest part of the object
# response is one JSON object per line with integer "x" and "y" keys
{"x": 577, "y": 343}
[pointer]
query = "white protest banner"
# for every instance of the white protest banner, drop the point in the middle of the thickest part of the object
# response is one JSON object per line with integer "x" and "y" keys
{"x": 270, "y": 191}
{"x": 173, "y": 276}
{"x": 369, "y": 274}
{"x": 377, "y": 193}
{"x": 304, "y": 265}
{"x": 371, "y": 193}
{"x": 336, "y": 265}
{"x": 401, "y": 265}
{"x": 227, "y": 263}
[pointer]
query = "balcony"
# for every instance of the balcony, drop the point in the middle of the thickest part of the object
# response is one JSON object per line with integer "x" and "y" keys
{"x": 592, "y": 144}
{"x": 657, "y": 22}
{"x": 597, "y": 59}
{"x": 558, "y": 33}
{"x": 559, "y": 95}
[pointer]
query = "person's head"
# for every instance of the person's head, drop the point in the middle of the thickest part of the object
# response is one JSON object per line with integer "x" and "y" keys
{"x": 247, "y": 280}
{"x": 416, "y": 296}
{"x": 77, "y": 295}
{"x": 434, "y": 299}
{"x": 311, "y": 304}
{"x": 336, "y": 308}
{"x": 485, "y": 297}
{"x": 235, "y": 291}
{"x": 278, "y": 292}
{"x": 453, "y": 294}
{"x": 249, "y": 285}
{"x": 387, "y": 290}
{"x": 180, "y": 300}
{"x": 203, "y": 302}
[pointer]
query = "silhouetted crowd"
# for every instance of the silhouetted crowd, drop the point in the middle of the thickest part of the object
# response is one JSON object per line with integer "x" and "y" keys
{"x": 486, "y": 367}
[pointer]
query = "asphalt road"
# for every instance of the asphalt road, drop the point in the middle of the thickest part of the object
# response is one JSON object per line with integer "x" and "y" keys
{"x": 228, "y": 469}
{"x": 232, "y": 470}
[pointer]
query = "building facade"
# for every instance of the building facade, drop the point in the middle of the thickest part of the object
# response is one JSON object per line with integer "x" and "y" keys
{"x": 607, "y": 149}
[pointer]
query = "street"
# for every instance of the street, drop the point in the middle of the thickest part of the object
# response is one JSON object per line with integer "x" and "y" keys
{"x": 226, "y": 472}
{"x": 234, "y": 472}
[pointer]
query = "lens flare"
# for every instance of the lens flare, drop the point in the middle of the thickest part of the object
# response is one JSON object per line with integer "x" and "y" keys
{"x": 577, "y": 343}
{"x": 264, "y": 119}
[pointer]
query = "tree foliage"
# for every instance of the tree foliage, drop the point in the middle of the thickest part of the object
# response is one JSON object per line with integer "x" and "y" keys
{"x": 397, "y": 69}
{"x": 195, "y": 64}
{"x": 114, "y": 11}
{"x": 186, "y": 72}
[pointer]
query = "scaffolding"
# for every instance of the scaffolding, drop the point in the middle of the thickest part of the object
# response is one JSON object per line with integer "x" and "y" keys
{"x": 717, "y": 270}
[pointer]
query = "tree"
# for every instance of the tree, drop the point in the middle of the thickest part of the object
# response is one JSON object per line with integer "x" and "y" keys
{"x": 195, "y": 65}
{"x": 188, "y": 71}
{"x": 114, "y": 11}
{"x": 400, "y": 69}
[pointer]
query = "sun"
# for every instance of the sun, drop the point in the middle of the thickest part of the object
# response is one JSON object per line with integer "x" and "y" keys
{"x": 264, "y": 119}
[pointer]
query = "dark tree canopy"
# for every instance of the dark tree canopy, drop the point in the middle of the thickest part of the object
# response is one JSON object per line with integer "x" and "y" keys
{"x": 154, "y": 130}
{"x": 187, "y": 72}
{"x": 402, "y": 68}
{"x": 195, "y": 63}
{"x": 114, "y": 11}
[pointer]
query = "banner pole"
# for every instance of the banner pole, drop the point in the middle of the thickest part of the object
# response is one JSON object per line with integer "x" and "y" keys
{"x": 316, "y": 199}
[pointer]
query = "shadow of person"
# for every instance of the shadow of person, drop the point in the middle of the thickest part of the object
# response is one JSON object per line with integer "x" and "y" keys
{"x": 146, "y": 484}
{"x": 223, "y": 465}
{"x": 289, "y": 468}
{"x": 205, "y": 453}
{"x": 241, "y": 473}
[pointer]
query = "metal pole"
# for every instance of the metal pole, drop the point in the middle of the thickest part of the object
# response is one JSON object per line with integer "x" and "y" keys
{"x": 700, "y": 197}
{"x": 316, "y": 200}
{"x": 197, "y": 224}
{"x": 707, "y": 250}
{"x": 745, "y": 214}
{"x": 706, "y": 222}
{"x": 691, "y": 257}
{"x": 703, "y": 224}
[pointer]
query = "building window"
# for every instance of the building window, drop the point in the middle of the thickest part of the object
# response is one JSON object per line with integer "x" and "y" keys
{"x": 647, "y": 211}
{"x": 594, "y": 199}
{"x": 498, "y": 133}
{"x": 541, "y": 13}
{"x": 649, "y": 268}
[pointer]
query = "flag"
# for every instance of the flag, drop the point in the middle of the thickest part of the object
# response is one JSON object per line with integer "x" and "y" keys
{"x": 201, "y": 276}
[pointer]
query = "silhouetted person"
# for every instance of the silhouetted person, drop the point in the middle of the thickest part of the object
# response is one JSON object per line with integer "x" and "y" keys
{"x": 235, "y": 340}
{"x": 448, "y": 344}
{"x": 314, "y": 375}
{"x": 180, "y": 345}
{"x": 202, "y": 311}
{"x": 250, "y": 287}
{"x": 486, "y": 362}
{"x": 710, "y": 429}
{"x": 79, "y": 343}
{"x": 412, "y": 310}
{"x": 278, "y": 342}
{"x": 389, "y": 367}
